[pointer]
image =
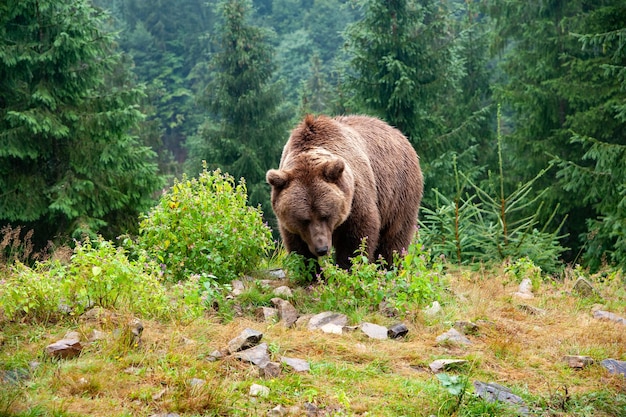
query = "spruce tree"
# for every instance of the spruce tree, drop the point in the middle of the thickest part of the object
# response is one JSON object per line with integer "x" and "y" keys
{"x": 246, "y": 126}
{"x": 68, "y": 164}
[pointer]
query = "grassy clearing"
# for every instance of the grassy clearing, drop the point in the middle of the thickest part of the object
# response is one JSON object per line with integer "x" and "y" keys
{"x": 350, "y": 374}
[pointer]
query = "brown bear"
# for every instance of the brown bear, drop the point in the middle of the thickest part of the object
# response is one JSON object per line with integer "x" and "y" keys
{"x": 343, "y": 179}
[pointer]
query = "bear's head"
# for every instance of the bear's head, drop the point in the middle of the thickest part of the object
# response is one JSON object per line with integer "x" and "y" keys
{"x": 312, "y": 197}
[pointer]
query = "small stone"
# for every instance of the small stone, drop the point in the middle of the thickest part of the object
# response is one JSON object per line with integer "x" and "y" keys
{"x": 72, "y": 336}
{"x": 493, "y": 392}
{"x": 433, "y": 310}
{"x": 606, "y": 315}
{"x": 238, "y": 287}
{"x": 319, "y": 320}
{"x": 298, "y": 365}
{"x": 257, "y": 390}
{"x": 374, "y": 331}
{"x": 283, "y": 291}
{"x": 303, "y": 320}
{"x": 332, "y": 328}
{"x": 196, "y": 382}
{"x": 311, "y": 410}
{"x": 267, "y": 314}
{"x": 165, "y": 415}
{"x": 257, "y": 355}
{"x": 246, "y": 339}
{"x": 440, "y": 365}
{"x": 466, "y": 327}
{"x": 270, "y": 370}
{"x": 215, "y": 355}
{"x": 397, "y": 330}
{"x": 287, "y": 312}
{"x": 278, "y": 411}
{"x": 159, "y": 395}
{"x": 524, "y": 290}
{"x": 577, "y": 362}
{"x": 614, "y": 366}
{"x": 97, "y": 335}
{"x": 64, "y": 348}
{"x": 133, "y": 331}
{"x": 277, "y": 273}
{"x": 583, "y": 288}
{"x": 453, "y": 336}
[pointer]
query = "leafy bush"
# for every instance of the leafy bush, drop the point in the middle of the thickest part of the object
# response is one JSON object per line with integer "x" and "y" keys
{"x": 203, "y": 225}
{"x": 410, "y": 282}
{"x": 97, "y": 275}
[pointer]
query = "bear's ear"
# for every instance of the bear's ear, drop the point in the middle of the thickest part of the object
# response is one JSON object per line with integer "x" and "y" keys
{"x": 276, "y": 178}
{"x": 333, "y": 170}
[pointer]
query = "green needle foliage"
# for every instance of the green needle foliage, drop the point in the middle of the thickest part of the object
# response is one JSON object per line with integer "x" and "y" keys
{"x": 67, "y": 161}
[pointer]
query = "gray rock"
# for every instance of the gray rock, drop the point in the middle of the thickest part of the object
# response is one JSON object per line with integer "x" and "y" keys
{"x": 453, "y": 336}
{"x": 583, "y": 288}
{"x": 270, "y": 370}
{"x": 196, "y": 382}
{"x": 278, "y": 411}
{"x": 397, "y": 330}
{"x": 246, "y": 339}
{"x": 283, "y": 291}
{"x": 257, "y": 390}
{"x": 257, "y": 355}
{"x": 97, "y": 335}
{"x": 298, "y": 365}
{"x": 525, "y": 290}
{"x": 532, "y": 310}
{"x": 238, "y": 287}
{"x": 332, "y": 328}
{"x": 440, "y": 365}
{"x": 277, "y": 273}
{"x": 433, "y": 310}
{"x": 215, "y": 355}
{"x": 165, "y": 415}
{"x": 267, "y": 314}
{"x": 132, "y": 332}
{"x": 287, "y": 312}
{"x": 311, "y": 410}
{"x": 319, "y": 320}
{"x": 577, "y": 362}
{"x": 466, "y": 327}
{"x": 493, "y": 392}
{"x": 374, "y": 331}
{"x": 605, "y": 315}
{"x": 72, "y": 336}
{"x": 303, "y": 320}
{"x": 614, "y": 366}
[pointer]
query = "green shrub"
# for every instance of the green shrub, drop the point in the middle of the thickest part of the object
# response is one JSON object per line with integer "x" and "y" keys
{"x": 203, "y": 225}
{"x": 410, "y": 282}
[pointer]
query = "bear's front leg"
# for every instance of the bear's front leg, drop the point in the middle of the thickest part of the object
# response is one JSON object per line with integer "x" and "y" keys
{"x": 348, "y": 237}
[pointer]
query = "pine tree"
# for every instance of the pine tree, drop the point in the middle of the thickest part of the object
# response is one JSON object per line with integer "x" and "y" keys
{"x": 246, "y": 127}
{"x": 67, "y": 162}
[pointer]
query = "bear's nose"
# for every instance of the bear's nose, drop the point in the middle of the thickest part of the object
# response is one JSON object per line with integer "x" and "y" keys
{"x": 321, "y": 251}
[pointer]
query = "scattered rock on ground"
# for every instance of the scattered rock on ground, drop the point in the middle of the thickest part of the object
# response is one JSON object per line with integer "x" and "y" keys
{"x": 238, "y": 287}
{"x": 397, "y": 330}
{"x": 65, "y": 348}
{"x": 257, "y": 355}
{"x": 332, "y": 328}
{"x": 298, "y": 365}
{"x": 532, "y": 310}
{"x": 606, "y": 315}
{"x": 277, "y": 273}
{"x": 310, "y": 409}
{"x": 270, "y": 370}
{"x": 215, "y": 355}
{"x": 583, "y": 287}
{"x": 374, "y": 331}
{"x": 97, "y": 335}
{"x": 493, "y": 392}
{"x": 327, "y": 317}
{"x": 433, "y": 310}
{"x": 453, "y": 336}
{"x": 257, "y": 390}
{"x": 246, "y": 339}
{"x": 614, "y": 366}
{"x": 525, "y": 290}
{"x": 577, "y": 362}
{"x": 286, "y": 312}
{"x": 282, "y": 291}
{"x": 278, "y": 411}
{"x": 440, "y": 365}
{"x": 267, "y": 314}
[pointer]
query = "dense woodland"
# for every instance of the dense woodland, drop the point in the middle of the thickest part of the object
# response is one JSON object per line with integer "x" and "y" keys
{"x": 517, "y": 110}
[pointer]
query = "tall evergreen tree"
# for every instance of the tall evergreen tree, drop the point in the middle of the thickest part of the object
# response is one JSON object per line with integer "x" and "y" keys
{"x": 406, "y": 68}
{"x": 246, "y": 127}
{"x": 67, "y": 161}
{"x": 565, "y": 102}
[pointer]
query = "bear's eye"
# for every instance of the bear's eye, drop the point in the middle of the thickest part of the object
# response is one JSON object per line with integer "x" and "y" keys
{"x": 324, "y": 218}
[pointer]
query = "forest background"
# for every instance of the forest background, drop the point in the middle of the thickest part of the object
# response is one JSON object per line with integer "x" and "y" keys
{"x": 517, "y": 110}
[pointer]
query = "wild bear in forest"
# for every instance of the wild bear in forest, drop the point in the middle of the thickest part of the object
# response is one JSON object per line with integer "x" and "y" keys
{"x": 343, "y": 179}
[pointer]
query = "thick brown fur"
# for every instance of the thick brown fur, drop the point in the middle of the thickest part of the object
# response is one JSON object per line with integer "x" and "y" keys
{"x": 343, "y": 179}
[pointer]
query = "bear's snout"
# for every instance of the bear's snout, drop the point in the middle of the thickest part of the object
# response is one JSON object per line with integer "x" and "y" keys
{"x": 321, "y": 250}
